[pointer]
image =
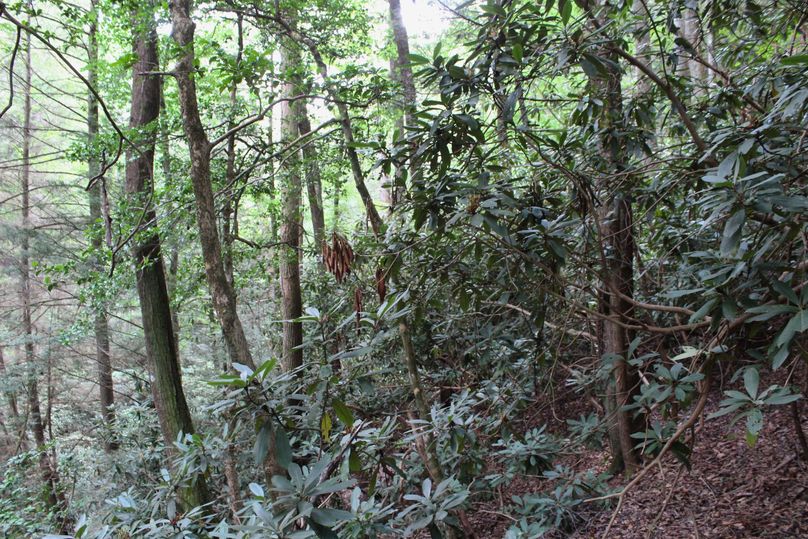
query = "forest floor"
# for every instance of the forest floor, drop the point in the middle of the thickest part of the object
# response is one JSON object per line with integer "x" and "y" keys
{"x": 731, "y": 491}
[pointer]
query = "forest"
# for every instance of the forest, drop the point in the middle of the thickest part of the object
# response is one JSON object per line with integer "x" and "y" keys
{"x": 450, "y": 269}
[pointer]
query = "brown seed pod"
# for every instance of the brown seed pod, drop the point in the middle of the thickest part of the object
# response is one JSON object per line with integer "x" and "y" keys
{"x": 338, "y": 256}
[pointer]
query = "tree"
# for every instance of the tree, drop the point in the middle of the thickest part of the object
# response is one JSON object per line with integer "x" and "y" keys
{"x": 161, "y": 348}
{"x": 101, "y": 322}
{"x": 402, "y": 73}
{"x": 49, "y": 473}
{"x": 615, "y": 226}
{"x": 291, "y": 220}
{"x": 222, "y": 293}
{"x": 314, "y": 185}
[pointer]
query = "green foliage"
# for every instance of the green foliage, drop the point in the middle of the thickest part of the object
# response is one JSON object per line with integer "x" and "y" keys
{"x": 495, "y": 256}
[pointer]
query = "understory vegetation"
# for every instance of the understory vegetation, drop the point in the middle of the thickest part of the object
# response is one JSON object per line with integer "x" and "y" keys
{"x": 394, "y": 268}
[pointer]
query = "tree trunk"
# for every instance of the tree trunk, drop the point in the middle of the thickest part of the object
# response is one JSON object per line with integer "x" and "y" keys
{"x": 101, "y": 322}
{"x": 616, "y": 233}
{"x": 228, "y": 212}
{"x": 272, "y": 254}
{"x": 174, "y": 254}
{"x": 432, "y": 464}
{"x": 222, "y": 294}
{"x": 692, "y": 33}
{"x": 402, "y": 73}
{"x": 291, "y": 220}
{"x": 35, "y": 412}
{"x": 402, "y": 64}
{"x": 229, "y": 228}
{"x": 11, "y": 398}
{"x": 314, "y": 184}
{"x": 172, "y": 409}
{"x": 348, "y": 137}
{"x": 642, "y": 44}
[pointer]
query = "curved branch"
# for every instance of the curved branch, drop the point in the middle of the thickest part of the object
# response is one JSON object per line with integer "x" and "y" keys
{"x": 121, "y": 136}
{"x": 14, "y": 52}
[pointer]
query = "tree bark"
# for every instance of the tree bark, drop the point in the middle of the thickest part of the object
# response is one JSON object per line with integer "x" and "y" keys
{"x": 314, "y": 185}
{"x": 402, "y": 73}
{"x": 228, "y": 212}
{"x": 174, "y": 251}
{"x": 291, "y": 219}
{"x": 222, "y": 294}
{"x": 432, "y": 464}
{"x": 692, "y": 33}
{"x": 161, "y": 349}
{"x": 402, "y": 64}
{"x": 348, "y": 137}
{"x": 101, "y": 322}
{"x": 49, "y": 476}
{"x": 616, "y": 233}
{"x": 11, "y": 398}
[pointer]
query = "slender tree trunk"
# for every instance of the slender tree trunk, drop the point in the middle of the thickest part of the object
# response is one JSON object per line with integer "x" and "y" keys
{"x": 229, "y": 224}
{"x": 272, "y": 265}
{"x": 228, "y": 212}
{"x": 101, "y": 322}
{"x": 402, "y": 64}
{"x": 642, "y": 44}
{"x": 402, "y": 73}
{"x": 172, "y": 409}
{"x": 291, "y": 221}
{"x": 348, "y": 136}
{"x": 11, "y": 398}
{"x": 174, "y": 255}
{"x": 222, "y": 294}
{"x": 35, "y": 411}
{"x": 616, "y": 232}
{"x": 692, "y": 33}
{"x": 314, "y": 185}
{"x": 49, "y": 475}
{"x": 432, "y": 464}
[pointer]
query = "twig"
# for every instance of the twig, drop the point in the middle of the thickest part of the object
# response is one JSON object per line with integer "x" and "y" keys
{"x": 121, "y": 137}
{"x": 665, "y": 503}
{"x": 14, "y": 52}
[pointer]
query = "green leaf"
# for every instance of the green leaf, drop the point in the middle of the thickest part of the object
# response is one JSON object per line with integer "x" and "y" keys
{"x": 703, "y": 311}
{"x": 325, "y": 427}
{"x": 673, "y": 294}
{"x": 342, "y": 412}
{"x": 330, "y": 517}
{"x": 797, "y": 59}
{"x": 565, "y": 10}
{"x": 687, "y": 352}
{"x": 283, "y": 451}
{"x": 769, "y": 311}
{"x": 262, "y": 442}
{"x": 781, "y": 398}
{"x": 517, "y": 52}
{"x": 797, "y": 324}
{"x": 754, "y": 424}
{"x": 779, "y": 357}
{"x": 243, "y": 370}
{"x": 732, "y": 232}
{"x": 786, "y": 291}
{"x": 751, "y": 380}
{"x": 417, "y": 59}
{"x": 493, "y": 9}
{"x": 257, "y": 489}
